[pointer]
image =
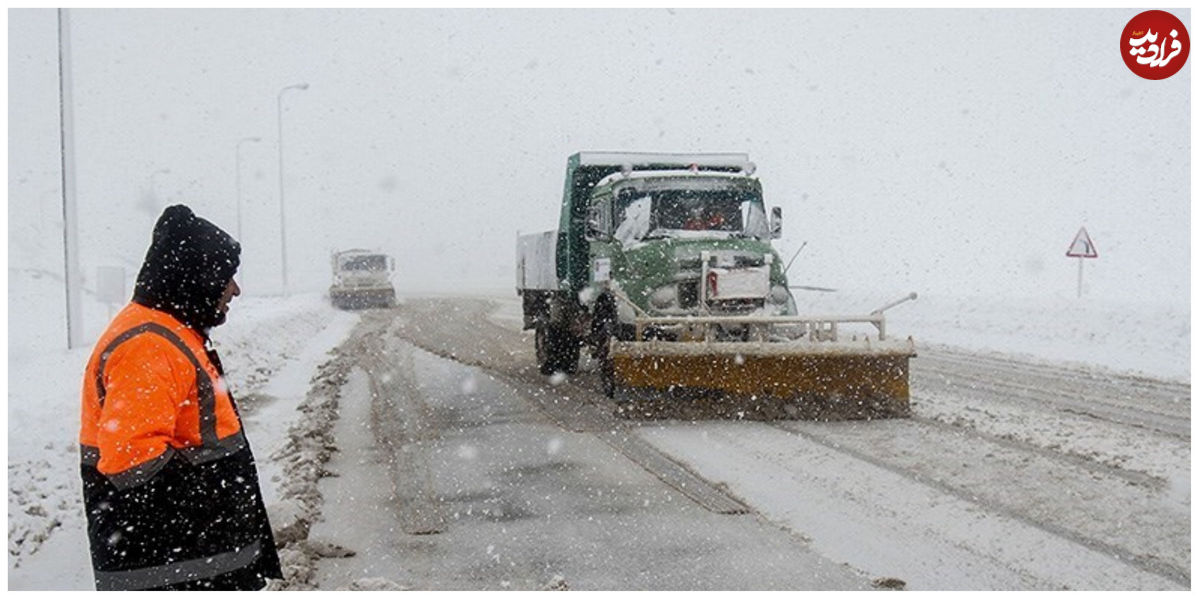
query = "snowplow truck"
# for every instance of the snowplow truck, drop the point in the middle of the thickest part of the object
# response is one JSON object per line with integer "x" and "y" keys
{"x": 663, "y": 267}
{"x": 361, "y": 279}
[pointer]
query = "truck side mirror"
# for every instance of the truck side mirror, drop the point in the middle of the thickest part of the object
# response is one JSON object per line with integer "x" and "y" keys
{"x": 776, "y": 222}
{"x": 594, "y": 229}
{"x": 391, "y": 264}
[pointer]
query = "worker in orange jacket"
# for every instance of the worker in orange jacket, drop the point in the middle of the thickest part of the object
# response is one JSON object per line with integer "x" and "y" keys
{"x": 169, "y": 483}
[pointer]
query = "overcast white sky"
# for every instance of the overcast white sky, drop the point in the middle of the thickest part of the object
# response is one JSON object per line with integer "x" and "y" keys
{"x": 949, "y": 151}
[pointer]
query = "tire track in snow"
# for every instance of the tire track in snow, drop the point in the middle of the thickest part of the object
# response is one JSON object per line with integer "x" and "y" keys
{"x": 577, "y": 415}
{"x": 400, "y": 422}
{"x": 980, "y": 497}
{"x": 1158, "y": 406}
{"x": 881, "y": 517}
{"x": 1084, "y": 462}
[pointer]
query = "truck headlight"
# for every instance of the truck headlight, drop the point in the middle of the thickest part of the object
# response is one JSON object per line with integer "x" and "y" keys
{"x": 778, "y": 295}
{"x": 663, "y": 297}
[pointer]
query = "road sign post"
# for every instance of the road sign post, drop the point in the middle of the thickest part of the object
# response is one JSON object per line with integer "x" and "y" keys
{"x": 1081, "y": 248}
{"x": 1079, "y": 282}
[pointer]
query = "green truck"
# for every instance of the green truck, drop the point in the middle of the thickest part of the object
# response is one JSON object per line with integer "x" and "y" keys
{"x": 662, "y": 265}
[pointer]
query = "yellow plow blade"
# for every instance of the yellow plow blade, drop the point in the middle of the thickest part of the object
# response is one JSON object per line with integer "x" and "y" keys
{"x": 764, "y": 381}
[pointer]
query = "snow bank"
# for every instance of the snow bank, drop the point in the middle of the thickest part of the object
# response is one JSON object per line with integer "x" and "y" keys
{"x": 310, "y": 444}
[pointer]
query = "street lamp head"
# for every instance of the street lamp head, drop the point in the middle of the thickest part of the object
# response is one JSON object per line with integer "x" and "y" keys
{"x": 303, "y": 86}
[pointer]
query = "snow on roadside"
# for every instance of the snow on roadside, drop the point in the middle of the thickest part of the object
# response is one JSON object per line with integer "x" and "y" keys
{"x": 269, "y": 360}
{"x": 1149, "y": 338}
{"x": 43, "y": 469}
{"x": 266, "y": 340}
{"x": 309, "y": 445}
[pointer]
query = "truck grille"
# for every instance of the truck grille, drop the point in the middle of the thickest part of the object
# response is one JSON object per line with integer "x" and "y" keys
{"x": 738, "y": 306}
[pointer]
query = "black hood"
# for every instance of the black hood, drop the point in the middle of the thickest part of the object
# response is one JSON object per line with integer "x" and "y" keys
{"x": 188, "y": 266}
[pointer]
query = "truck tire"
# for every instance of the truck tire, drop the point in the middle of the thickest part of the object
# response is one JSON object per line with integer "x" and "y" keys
{"x": 541, "y": 346}
{"x": 604, "y": 326}
{"x": 557, "y": 350}
{"x": 568, "y": 353}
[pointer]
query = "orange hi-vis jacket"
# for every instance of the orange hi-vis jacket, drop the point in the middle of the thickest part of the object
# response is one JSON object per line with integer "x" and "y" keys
{"x": 151, "y": 392}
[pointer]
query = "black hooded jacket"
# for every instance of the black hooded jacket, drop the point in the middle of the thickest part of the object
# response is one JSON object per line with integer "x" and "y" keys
{"x": 196, "y": 523}
{"x": 188, "y": 265}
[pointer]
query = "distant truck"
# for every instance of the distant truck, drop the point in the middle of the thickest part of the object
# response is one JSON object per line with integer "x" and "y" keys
{"x": 362, "y": 279}
{"x": 662, "y": 264}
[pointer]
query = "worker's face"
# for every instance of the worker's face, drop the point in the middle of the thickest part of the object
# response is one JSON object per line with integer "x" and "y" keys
{"x": 231, "y": 290}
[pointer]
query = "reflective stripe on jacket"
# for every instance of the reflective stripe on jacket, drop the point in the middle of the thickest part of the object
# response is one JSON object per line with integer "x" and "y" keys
{"x": 151, "y": 391}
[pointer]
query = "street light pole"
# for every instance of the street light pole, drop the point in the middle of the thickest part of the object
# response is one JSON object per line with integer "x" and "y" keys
{"x": 282, "y": 205}
{"x": 66, "y": 126}
{"x": 238, "y": 178}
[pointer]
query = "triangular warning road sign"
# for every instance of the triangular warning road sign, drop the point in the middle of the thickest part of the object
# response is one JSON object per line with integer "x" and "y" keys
{"x": 1082, "y": 247}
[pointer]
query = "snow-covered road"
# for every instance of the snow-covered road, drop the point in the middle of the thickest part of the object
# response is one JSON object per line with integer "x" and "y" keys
{"x": 448, "y": 478}
{"x": 418, "y": 448}
{"x": 1011, "y": 474}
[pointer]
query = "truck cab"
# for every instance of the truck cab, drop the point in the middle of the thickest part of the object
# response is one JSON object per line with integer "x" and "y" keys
{"x": 649, "y": 234}
{"x": 361, "y": 279}
{"x": 685, "y": 242}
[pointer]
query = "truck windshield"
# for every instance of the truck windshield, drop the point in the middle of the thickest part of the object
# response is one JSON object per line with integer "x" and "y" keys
{"x": 375, "y": 262}
{"x": 708, "y": 208}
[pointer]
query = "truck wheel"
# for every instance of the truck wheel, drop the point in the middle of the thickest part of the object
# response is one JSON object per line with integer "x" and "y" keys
{"x": 557, "y": 350}
{"x": 544, "y": 347}
{"x": 602, "y": 338}
{"x": 568, "y": 355}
